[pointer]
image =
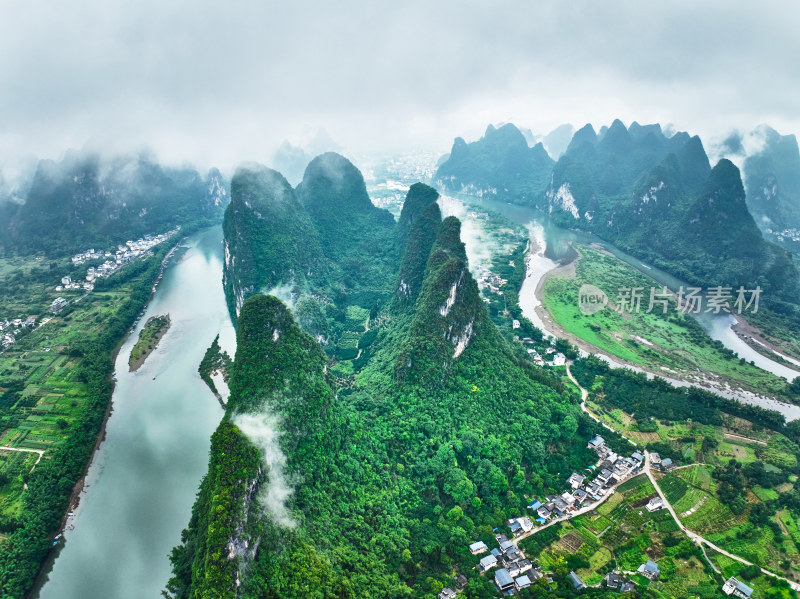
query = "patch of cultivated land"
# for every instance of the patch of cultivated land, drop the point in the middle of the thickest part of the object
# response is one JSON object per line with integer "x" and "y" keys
{"x": 673, "y": 344}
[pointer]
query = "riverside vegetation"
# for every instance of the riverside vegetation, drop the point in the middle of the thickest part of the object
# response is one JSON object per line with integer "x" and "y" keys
{"x": 152, "y": 332}
{"x": 375, "y": 430}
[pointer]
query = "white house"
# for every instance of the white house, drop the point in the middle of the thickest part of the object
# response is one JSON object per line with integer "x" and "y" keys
{"x": 478, "y": 548}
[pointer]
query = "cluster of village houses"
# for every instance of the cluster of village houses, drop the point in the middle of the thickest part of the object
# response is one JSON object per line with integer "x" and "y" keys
{"x": 557, "y": 359}
{"x": 132, "y": 250}
{"x": 792, "y": 234}
{"x": 124, "y": 254}
{"x": 515, "y": 572}
{"x": 491, "y": 281}
{"x": 10, "y": 329}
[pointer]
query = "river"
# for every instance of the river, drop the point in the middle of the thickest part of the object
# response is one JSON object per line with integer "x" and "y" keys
{"x": 143, "y": 479}
{"x": 549, "y": 242}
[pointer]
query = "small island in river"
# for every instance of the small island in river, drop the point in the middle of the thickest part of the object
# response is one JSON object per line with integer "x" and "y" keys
{"x": 152, "y": 332}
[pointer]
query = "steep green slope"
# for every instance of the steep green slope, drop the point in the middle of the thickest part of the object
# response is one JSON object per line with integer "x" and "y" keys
{"x": 417, "y": 229}
{"x": 383, "y": 485}
{"x": 269, "y": 238}
{"x": 500, "y": 165}
{"x": 87, "y": 200}
{"x": 772, "y": 181}
{"x": 278, "y": 426}
{"x": 322, "y": 246}
{"x": 356, "y": 236}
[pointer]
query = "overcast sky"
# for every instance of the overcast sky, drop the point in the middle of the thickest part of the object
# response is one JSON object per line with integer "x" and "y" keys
{"x": 227, "y": 81}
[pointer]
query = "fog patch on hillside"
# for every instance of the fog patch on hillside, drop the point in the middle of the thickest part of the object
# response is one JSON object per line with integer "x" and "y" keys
{"x": 264, "y": 431}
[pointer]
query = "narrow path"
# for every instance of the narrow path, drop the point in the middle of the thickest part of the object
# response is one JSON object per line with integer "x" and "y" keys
{"x": 38, "y": 451}
{"x": 696, "y": 538}
{"x": 748, "y": 439}
{"x": 584, "y": 397}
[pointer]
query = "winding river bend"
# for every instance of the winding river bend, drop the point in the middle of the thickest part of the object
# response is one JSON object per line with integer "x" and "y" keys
{"x": 556, "y": 241}
{"x": 142, "y": 482}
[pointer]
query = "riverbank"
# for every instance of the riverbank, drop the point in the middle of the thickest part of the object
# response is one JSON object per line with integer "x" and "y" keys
{"x": 683, "y": 359}
{"x": 143, "y": 476}
{"x": 81, "y": 484}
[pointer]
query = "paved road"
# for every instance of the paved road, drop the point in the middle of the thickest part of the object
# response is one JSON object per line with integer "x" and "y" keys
{"x": 696, "y": 538}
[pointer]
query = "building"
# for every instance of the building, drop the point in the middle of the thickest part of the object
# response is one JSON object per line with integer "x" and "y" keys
{"x": 580, "y": 496}
{"x": 58, "y": 305}
{"x": 576, "y": 480}
{"x": 487, "y": 563}
{"x": 478, "y": 548}
{"x": 598, "y": 443}
{"x": 447, "y": 593}
{"x": 503, "y": 580}
{"x": 461, "y": 582}
{"x": 614, "y": 580}
{"x": 649, "y": 569}
{"x": 656, "y": 503}
{"x": 736, "y": 588}
{"x": 520, "y": 526}
{"x": 637, "y": 457}
{"x": 559, "y": 359}
{"x": 66, "y": 281}
{"x": 576, "y": 582}
{"x": 655, "y": 459}
{"x": 535, "y": 505}
{"x": 667, "y": 465}
{"x": 515, "y": 324}
{"x": 523, "y": 582}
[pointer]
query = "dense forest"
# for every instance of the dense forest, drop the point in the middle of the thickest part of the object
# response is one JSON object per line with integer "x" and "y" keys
{"x": 367, "y": 472}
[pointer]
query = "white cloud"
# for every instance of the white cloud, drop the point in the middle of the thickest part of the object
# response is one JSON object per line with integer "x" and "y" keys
{"x": 218, "y": 83}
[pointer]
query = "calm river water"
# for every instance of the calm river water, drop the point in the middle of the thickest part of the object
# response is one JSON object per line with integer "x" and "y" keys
{"x": 553, "y": 241}
{"x": 142, "y": 481}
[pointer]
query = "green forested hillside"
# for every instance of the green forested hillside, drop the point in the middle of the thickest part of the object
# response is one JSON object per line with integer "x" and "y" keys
{"x": 323, "y": 245}
{"x": 87, "y": 200}
{"x": 499, "y": 165}
{"x": 374, "y": 484}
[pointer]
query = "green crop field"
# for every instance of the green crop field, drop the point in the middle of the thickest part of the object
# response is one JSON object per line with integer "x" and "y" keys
{"x": 42, "y": 389}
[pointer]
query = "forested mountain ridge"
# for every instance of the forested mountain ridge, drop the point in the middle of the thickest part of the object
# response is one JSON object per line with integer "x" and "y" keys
{"x": 772, "y": 181}
{"x": 87, "y": 200}
{"x": 323, "y": 244}
{"x": 656, "y": 196}
{"x": 499, "y": 165}
{"x": 269, "y": 238}
{"x": 390, "y": 476}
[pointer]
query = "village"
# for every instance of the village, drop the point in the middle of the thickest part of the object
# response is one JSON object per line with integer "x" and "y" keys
{"x": 130, "y": 251}
{"x": 12, "y": 329}
{"x": 514, "y": 571}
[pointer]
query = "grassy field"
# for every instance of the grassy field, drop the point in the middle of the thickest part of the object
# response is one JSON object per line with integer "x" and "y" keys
{"x": 672, "y": 343}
